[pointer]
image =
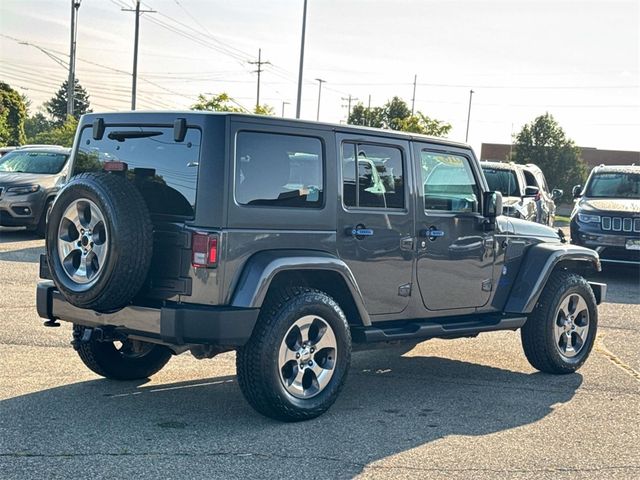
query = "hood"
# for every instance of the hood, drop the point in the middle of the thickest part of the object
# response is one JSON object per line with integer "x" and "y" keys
{"x": 532, "y": 229}
{"x": 628, "y": 205}
{"x": 17, "y": 178}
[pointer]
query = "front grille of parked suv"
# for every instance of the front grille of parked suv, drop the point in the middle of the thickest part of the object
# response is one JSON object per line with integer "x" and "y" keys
{"x": 619, "y": 224}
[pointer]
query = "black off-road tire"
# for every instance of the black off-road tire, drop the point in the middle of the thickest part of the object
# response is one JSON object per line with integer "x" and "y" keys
{"x": 538, "y": 338}
{"x": 257, "y": 361}
{"x": 129, "y": 232}
{"x": 105, "y": 359}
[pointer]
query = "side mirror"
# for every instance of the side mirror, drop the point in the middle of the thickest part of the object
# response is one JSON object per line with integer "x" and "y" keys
{"x": 492, "y": 205}
{"x": 556, "y": 194}
{"x": 576, "y": 191}
{"x": 531, "y": 191}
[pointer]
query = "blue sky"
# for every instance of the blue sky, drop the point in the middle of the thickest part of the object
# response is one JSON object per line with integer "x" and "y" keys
{"x": 579, "y": 60}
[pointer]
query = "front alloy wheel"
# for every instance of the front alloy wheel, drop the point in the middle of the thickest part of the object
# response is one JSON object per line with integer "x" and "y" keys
{"x": 572, "y": 325}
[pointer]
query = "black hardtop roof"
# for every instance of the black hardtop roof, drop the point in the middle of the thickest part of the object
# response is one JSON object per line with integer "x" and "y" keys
{"x": 169, "y": 117}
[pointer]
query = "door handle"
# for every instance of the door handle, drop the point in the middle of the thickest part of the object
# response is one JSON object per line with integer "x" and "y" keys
{"x": 360, "y": 231}
{"x": 431, "y": 233}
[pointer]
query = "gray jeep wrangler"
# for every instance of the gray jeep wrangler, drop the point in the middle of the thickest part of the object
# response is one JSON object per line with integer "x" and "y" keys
{"x": 293, "y": 242}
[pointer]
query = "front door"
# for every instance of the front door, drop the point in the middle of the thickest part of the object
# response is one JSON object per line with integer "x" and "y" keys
{"x": 455, "y": 254}
{"x": 375, "y": 220}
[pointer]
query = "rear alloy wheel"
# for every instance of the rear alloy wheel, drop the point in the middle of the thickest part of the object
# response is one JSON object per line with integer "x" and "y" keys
{"x": 295, "y": 363}
{"x": 307, "y": 357}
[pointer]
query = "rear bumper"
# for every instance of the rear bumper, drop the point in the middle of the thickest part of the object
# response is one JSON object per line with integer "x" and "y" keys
{"x": 176, "y": 324}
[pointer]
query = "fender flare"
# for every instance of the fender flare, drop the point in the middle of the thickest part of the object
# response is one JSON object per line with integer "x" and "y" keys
{"x": 536, "y": 268}
{"x": 260, "y": 270}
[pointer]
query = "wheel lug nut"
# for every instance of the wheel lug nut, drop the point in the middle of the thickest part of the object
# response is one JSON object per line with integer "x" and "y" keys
{"x": 310, "y": 363}
{"x": 313, "y": 349}
{"x": 297, "y": 355}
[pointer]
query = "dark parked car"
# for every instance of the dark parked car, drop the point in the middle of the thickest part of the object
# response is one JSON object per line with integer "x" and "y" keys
{"x": 524, "y": 190}
{"x": 606, "y": 216}
{"x": 291, "y": 242}
{"x": 30, "y": 178}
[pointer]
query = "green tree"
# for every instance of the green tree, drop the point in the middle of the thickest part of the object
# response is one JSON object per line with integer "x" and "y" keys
{"x": 223, "y": 102}
{"x": 545, "y": 143}
{"x": 216, "y": 103}
{"x": 61, "y": 135}
{"x": 35, "y": 125}
{"x": 13, "y": 113}
{"x": 57, "y": 106}
{"x": 395, "y": 115}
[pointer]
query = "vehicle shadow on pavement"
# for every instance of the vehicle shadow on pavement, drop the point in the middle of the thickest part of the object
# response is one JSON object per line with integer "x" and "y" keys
{"x": 31, "y": 254}
{"x": 390, "y": 404}
{"x": 14, "y": 235}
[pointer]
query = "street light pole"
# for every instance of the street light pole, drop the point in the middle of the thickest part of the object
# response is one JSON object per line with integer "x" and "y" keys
{"x": 466, "y": 137}
{"x": 304, "y": 27}
{"x": 75, "y": 5}
{"x": 320, "y": 82}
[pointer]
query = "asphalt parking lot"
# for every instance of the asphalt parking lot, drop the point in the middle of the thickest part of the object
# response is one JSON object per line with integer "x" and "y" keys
{"x": 445, "y": 409}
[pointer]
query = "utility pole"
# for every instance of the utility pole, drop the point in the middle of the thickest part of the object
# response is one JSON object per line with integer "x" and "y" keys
{"x": 413, "y": 99}
{"x": 259, "y": 63}
{"x": 466, "y": 138}
{"x": 320, "y": 82}
{"x": 71, "y": 81}
{"x": 349, "y": 99}
{"x": 304, "y": 27}
{"x": 134, "y": 82}
{"x": 369, "y": 112}
{"x": 283, "y": 104}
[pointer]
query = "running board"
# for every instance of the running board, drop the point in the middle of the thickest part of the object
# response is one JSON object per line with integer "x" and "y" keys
{"x": 424, "y": 329}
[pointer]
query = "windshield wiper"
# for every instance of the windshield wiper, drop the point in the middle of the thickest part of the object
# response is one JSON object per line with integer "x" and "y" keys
{"x": 123, "y": 135}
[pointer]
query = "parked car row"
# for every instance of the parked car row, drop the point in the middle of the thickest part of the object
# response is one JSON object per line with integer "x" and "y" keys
{"x": 524, "y": 191}
{"x": 30, "y": 178}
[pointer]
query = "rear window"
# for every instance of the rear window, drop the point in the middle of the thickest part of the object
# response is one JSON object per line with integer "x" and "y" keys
{"x": 33, "y": 162}
{"x": 165, "y": 171}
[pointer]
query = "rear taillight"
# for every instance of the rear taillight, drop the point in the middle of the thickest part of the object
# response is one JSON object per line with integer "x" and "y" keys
{"x": 204, "y": 248}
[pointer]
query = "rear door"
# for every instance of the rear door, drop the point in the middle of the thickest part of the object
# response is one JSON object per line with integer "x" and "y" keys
{"x": 375, "y": 220}
{"x": 455, "y": 254}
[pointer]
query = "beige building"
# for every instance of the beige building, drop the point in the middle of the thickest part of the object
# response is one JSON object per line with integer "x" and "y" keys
{"x": 592, "y": 156}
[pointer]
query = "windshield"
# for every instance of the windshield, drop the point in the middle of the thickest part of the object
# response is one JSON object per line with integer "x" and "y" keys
{"x": 33, "y": 162}
{"x": 614, "y": 185}
{"x": 503, "y": 181}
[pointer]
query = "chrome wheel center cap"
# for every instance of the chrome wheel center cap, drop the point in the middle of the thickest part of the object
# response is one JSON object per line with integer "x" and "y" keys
{"x": 305, "y": 355}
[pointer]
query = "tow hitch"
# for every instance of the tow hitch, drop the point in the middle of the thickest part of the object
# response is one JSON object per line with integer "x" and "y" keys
{"x": 88, "y": 334}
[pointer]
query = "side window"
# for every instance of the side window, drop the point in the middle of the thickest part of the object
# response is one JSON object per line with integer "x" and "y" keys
{"x": 530, "y": 179}
{"x": 279, "y": 170}
{"x": 376, "y": 179}
{"x": 448, "y": 183}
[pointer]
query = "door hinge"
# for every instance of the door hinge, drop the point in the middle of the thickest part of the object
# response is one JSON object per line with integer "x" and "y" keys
{"x": 487, "y": 285}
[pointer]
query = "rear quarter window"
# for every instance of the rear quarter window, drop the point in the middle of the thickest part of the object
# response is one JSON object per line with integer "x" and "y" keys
{"x": 279, "y": 170}
{"x": 165, "y": 171}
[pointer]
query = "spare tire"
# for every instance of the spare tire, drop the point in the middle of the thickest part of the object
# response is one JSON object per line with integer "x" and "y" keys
{"x": 99, "y": 241}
